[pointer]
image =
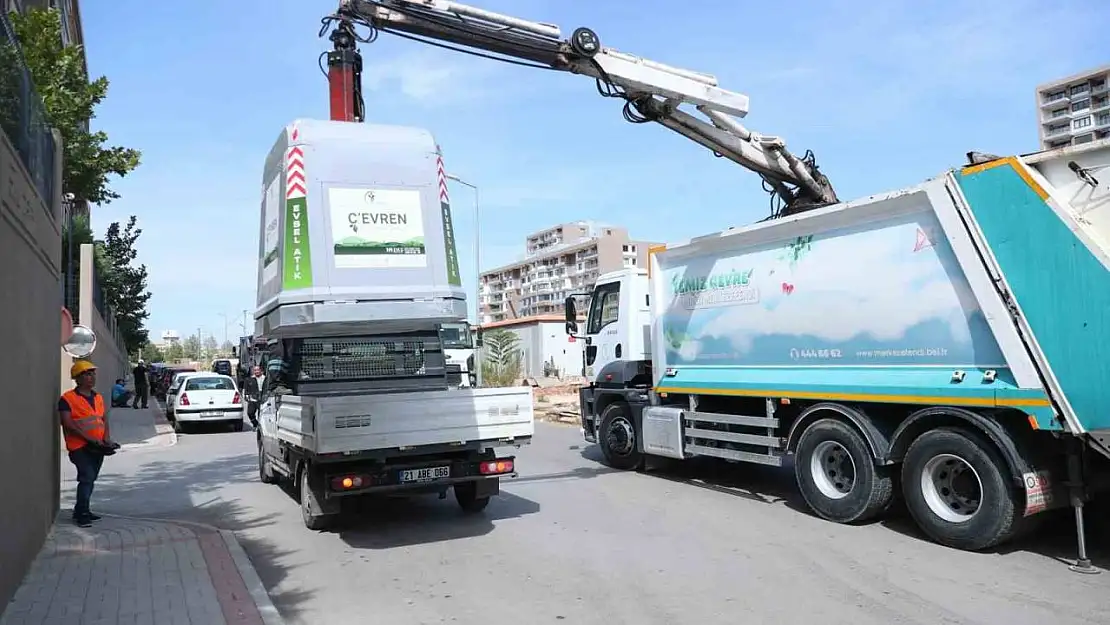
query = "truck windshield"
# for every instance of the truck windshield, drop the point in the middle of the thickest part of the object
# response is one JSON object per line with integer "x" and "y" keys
{"x": 604, "y": 307}
{"x": 456, "y": 336}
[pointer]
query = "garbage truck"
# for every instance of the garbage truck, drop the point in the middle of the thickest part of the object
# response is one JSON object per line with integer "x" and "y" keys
{"x": 945, "y": 341}
{"x": 942, "y": 340}
{"x": 359, "y": 300}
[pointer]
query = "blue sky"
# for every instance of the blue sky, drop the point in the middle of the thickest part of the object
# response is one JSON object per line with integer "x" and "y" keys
{"x": 886, "y": 94}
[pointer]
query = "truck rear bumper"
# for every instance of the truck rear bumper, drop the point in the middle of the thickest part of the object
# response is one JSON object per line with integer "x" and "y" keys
{"x": 427, "y": 476}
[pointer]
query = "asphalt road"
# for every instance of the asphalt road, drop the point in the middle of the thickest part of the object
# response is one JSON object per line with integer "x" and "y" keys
{"x": 571, "y": 541}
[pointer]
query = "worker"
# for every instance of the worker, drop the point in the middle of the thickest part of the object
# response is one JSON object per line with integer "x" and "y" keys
{"x": 142, "y": 384}
{"x": 252, "y": 388}
{"x": 120, "y": 394}
{"x": 85, "y": 427}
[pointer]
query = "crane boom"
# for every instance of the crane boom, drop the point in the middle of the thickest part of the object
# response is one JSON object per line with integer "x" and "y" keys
{"x": 654, "y": 92}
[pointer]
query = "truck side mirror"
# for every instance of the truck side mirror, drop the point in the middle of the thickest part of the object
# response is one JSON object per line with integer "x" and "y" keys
{"x": 478, "y": 338}
{"x": 571, "y": 315}
{"x": 234, "y": 352}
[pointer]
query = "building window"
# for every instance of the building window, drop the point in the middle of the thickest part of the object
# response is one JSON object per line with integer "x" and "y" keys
{"x": 1098, "y": 83}
{"x": 1054, "y": 96}
{"x": 1103, "y": 118}
{"x": 604, "y": 307}
{"x": 624, "y": 248}
{"x": 1081, "y": 105}
{"x": 1082, "y": 122}
{"x": 1080, "y": 89}
{"x": 1087, "y": 138}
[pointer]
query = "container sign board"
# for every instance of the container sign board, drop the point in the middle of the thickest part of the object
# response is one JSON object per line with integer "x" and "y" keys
{"x": 271, "y": 238}
{"x": 298, "y": 256}
{"x": 377, "y": 228}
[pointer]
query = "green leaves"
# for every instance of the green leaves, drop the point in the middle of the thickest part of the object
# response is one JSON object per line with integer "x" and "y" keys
{"x": 70, "y": 99}
{"x": 500, "y": 360}
{"x": 123, "y": 283}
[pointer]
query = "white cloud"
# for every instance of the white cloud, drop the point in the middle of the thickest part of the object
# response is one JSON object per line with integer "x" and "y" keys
{"x": 432, "y": 77}
{"x": 846, "y": 287}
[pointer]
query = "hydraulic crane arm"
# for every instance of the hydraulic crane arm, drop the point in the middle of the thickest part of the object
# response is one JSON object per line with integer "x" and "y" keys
{"x": 653, "y": 91}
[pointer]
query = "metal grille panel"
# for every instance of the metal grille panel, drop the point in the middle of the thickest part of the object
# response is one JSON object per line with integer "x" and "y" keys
{"x": 366, "y": 358}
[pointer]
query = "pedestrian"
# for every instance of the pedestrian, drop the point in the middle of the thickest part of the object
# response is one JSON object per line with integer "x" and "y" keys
{"x": 252, "y": 388}
{"x": 120, "y": 395}
{"x": 142, "y": 385}
{"x": 85, "y": 427}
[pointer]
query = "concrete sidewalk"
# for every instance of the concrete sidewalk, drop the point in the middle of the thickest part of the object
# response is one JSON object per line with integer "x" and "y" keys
{"x": 130, "y": 571}
{"x": 141, "y": 427}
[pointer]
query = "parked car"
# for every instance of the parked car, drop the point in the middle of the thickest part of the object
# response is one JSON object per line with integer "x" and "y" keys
{"x": 165, "y": 380}
{"x": 204, "y": 398}
{"x": 223, "y": 366}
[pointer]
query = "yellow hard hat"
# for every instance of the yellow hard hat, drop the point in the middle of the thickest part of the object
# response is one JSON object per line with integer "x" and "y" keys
{"x": 79, "y": 367}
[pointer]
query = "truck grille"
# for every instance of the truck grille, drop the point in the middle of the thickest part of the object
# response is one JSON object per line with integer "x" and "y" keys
{"x": 383, "y": 363}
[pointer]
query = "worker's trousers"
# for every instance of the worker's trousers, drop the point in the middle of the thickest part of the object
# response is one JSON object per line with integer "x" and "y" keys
{"x": 142, "y": 393}
{"x": 88, "y": 463}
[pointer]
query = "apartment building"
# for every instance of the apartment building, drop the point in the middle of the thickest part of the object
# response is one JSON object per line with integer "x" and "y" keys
{"x": 1074, "y": 110}
{"x": 559, "y": 261}
{"x": 68, "y": 10}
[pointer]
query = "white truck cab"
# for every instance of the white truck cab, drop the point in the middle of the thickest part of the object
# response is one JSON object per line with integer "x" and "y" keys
{"x": 618, "y": 323}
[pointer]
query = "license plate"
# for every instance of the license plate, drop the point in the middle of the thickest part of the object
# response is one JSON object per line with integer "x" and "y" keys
{"x": 212, "y": 413}
{"x": 425, "y": 475}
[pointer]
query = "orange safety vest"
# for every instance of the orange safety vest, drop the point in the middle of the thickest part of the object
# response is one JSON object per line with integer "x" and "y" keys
{"x": 89, "y": 419}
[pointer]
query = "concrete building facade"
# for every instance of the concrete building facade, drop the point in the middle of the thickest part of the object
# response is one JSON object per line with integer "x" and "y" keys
{"x": 559, "y": 261}
{"x": 1074, "y": 110}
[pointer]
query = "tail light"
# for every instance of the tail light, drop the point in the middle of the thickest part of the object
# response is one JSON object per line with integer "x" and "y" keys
{"x": 350, "y": 482}
{"x": 236, "y": 399}
{"x": 183, "y": 400}
{"x": 495, "y": 467}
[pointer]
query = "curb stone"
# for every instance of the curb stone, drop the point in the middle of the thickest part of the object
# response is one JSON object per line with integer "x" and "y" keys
{"x": 257, "y": 590}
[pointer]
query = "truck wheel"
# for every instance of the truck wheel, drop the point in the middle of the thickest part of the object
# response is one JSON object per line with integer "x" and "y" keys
{"x": 958, "y": 491}
{"x": 467, "y": 496}
{"x": 310, "y": 507}
{"x": 617, "y": 437}
{"x": 837, "y": 475}
{"x": 265, "y": 472}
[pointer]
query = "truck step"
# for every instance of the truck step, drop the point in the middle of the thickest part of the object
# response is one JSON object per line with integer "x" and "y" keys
{"x": 730, "y": 419}
{"x": 735, "y": 437}
{"x": 739, "y": 456}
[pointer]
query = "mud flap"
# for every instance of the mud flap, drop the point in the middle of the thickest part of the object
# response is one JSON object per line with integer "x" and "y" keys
{"x": 1042, "y": 493}
{"x": 488, "y": 487}
{"x": 319, "y": 502}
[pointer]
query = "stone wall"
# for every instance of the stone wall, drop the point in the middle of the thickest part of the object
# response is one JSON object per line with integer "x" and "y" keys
{"x": 30, "y": 328}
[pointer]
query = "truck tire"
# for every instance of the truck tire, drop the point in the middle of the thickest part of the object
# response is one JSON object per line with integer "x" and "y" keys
{"x": 265, "y": 471}
{"x": 310, "y": 507}
{"x": 618, "y": 438}
{"x": 958, "y": 491}
{"x": 837, "y": 476}
{"x": 466, "y": 494}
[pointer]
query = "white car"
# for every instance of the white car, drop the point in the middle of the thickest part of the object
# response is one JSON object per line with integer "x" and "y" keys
{"x": 204, "y": 398}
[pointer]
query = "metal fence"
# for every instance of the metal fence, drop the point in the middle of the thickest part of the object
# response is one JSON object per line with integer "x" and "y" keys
{"x": 22, "y": 116}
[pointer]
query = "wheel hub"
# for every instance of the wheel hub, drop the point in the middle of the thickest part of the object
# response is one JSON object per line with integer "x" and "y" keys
{"x": 832, "y": 469}
{"x": 620, "y": 438}
{"x": 951, "y": 488}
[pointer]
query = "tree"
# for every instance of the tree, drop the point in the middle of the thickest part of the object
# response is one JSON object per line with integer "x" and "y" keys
{"x": 191, "y": 347}
{"x": 148, "y": 352}
{"x": 70, "y": 100}
{"x": 123, "y": 283}
{"x": 500, "y": 360}
{"x": 175, "y": 352}
{"x": 210, "y": 345}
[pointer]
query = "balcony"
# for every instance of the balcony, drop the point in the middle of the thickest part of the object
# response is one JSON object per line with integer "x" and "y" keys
{"x": 1054, "y": 99}
{"x": 1057, "y": 131}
